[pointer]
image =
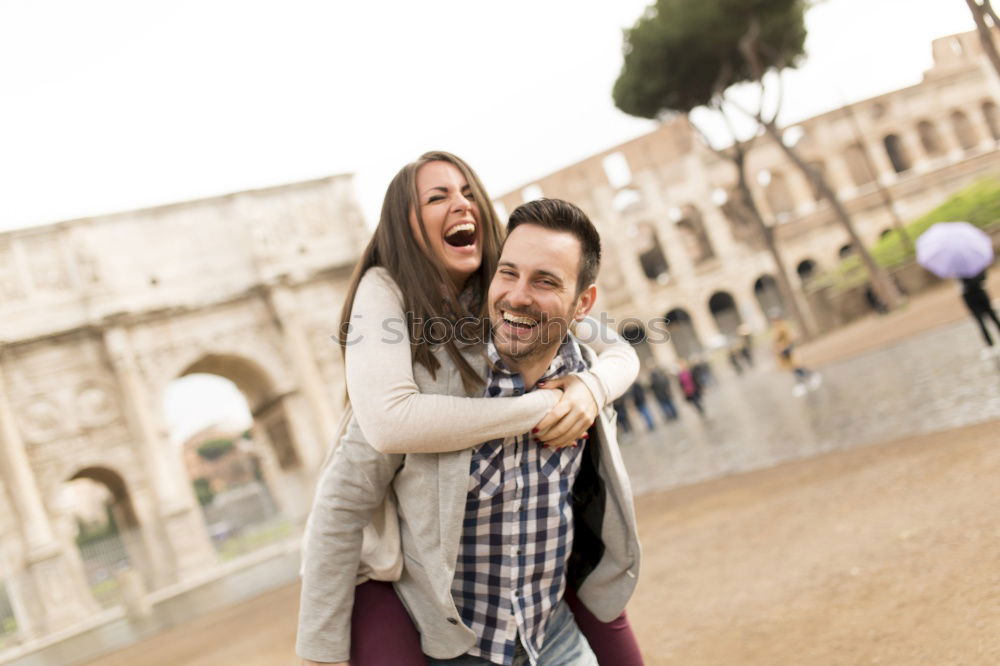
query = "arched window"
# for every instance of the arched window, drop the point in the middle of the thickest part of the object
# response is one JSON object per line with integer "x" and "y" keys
{"x": 778, "y": 196}
{"x": 651, "y": 257}
{"x": 765, "y": 290}
{"x": 723, "y": 309}
{"x": 992, "y": 118}
{"x": 857, "y": 165}
{"x": 806, "y": 269}
{"x": 694, "y": 236}
{"x": 683, "y": 335}
{"x": 897, "y": 153}
{"x": 964, "y": 131}
{"x": 930, "y": 139}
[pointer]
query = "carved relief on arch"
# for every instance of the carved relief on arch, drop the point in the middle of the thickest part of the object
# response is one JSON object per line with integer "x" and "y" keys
{"x": 95, "y": 404}
{"x": 43, "y": 419}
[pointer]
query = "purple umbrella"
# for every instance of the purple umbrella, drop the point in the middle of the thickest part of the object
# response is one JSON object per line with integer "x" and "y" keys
{"x": 954, "y": 250}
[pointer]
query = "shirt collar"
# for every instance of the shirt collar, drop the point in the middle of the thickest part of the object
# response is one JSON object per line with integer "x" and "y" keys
{"x": 567, "y": 360}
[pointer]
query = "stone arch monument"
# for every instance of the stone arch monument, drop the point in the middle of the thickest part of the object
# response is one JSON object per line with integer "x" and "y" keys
{"x": 100, "y": 314}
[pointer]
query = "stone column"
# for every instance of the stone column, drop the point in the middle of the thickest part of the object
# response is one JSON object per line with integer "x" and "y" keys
{"x": 50, "y": 594}
{"x": 183, "y": 526}
{"x": 308, "y": 377}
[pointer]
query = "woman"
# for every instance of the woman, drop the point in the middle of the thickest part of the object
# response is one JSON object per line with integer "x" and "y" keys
{"x": 422, "y": 280}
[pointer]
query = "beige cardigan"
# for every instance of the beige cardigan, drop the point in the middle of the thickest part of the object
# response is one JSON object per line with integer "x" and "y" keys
{"x": 397, "y": 418}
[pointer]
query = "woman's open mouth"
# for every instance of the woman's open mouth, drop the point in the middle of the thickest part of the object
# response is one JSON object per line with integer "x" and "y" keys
{"x": 461, "y": 235}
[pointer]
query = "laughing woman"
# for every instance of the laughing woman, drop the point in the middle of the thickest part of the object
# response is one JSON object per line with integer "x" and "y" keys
{"x": 419, "y": 292}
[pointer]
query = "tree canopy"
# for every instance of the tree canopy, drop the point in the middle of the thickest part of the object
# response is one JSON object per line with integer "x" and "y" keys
{"x": 682, "y": 54}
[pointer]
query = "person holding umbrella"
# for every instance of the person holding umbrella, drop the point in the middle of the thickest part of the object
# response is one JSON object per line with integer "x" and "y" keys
{"x": 963, "y": 251}
{"x": 978, "y": 301}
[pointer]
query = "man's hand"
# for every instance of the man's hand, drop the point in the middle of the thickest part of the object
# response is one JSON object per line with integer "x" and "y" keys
{"x": 571, "y": 417}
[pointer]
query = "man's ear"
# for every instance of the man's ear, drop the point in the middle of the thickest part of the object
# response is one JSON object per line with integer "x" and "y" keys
{"x": 585, "y": 302}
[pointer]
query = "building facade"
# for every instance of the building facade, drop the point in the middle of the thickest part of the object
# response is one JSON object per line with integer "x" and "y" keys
{"x": 100, "y": 314}
{"x": 676, "y": 251}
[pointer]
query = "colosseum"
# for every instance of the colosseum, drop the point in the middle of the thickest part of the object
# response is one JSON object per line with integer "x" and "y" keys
{"x": 674, "y": 249}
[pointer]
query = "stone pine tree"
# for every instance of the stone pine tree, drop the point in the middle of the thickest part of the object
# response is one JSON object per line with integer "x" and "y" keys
{"x": 986, "y": 19}
{"x": 685, "y": 54}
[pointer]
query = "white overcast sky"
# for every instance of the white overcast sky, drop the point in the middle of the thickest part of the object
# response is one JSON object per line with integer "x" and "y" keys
{"x": 109, "y": 105}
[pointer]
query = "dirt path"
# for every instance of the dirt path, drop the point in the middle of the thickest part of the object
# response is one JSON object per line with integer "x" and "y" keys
{"x": 940, "y": 305}
{"x": 883, "y": 555}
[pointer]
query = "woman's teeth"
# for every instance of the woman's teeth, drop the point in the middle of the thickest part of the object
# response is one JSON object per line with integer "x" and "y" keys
{"x": 461, "y": 235}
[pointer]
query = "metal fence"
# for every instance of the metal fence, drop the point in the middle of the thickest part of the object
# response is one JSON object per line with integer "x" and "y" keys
{"x": 8, "y": 623}
{"x": 103, "y": 559}
{"x": 243, "y": 519}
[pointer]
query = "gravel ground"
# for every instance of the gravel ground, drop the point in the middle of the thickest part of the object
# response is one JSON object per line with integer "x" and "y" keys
{"x": 886, "y": 554}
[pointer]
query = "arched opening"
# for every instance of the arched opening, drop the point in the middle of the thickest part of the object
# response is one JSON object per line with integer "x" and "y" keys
{"x": 845, "y": 251}
{"x": 651, "y": 257}
{"x": 897, "y": 153}
{"x": 992, "y": 118}
{"x": 930, "y": 139}
{"x": 724, "y": 311}
{"x": 694, "y": 236}
{"x": 779, "y": 199}
{"x": 96, "y": 512}
{"x": 806, "y": 270}
{"x": 635, "y": 334}
{"x": 683, "y": 335}
{"x": 765, "y": 290}
{"x": 8, "y": 620}
{"x": 857, "y": 165}
{"x": 964, "y": 131}
{"x": 230, "y": 428}
{"x": 819, "y": 168}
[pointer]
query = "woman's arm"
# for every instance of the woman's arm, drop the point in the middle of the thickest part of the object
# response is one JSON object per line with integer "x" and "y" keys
{"x": 617, "y": 365}
{"x": 392, "y": 412}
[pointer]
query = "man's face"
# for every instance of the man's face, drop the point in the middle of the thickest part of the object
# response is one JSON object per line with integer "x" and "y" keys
{"x": 533, "y": 296}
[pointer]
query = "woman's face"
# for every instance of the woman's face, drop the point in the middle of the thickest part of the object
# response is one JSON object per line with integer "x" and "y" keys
{"x": 451, "y": 218}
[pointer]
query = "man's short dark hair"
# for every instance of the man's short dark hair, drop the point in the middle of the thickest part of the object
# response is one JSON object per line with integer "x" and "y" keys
{"x": 559, "y": 215}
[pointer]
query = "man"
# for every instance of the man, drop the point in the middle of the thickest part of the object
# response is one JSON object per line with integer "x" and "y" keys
{"x": 491, "y": 536}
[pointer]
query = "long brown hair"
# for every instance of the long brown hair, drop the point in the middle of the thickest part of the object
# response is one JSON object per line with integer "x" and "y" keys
{"x": 428, "y": 292}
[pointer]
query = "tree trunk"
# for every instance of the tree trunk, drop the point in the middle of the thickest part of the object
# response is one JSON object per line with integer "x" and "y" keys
{"x": 767, "y": 233}
{"x": 985, "y": 34}
{"x": 882, "y": 285}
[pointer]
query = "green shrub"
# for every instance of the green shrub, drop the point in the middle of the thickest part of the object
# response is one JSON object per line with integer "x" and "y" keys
{"x": 978, "y": 204}
{"x": 215, "y": 449}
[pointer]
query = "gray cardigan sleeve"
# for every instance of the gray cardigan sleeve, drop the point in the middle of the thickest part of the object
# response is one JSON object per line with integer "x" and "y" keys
{"x": 352, "y": 486}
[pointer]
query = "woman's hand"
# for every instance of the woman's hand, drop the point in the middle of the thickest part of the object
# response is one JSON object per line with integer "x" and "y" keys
{"x": 571, "y": 417}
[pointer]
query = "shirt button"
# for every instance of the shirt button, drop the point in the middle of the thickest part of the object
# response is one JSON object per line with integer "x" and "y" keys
{"x": 452, "y": 620}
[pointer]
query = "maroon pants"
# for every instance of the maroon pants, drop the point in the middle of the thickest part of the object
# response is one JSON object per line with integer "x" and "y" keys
{"x": 382, "y": 633}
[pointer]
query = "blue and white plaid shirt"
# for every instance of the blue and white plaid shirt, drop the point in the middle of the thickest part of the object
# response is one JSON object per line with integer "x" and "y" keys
{"x": 518, "y": 528}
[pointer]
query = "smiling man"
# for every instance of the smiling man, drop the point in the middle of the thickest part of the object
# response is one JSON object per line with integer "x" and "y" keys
{"x": 494, "y": 537}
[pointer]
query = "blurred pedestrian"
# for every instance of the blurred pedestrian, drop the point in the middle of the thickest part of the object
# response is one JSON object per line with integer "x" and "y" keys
{"x": 784, "y": 348}
{"x": 638, "y": 394}
{"x": 978, "y": 301}
{"x": 874, "y": 302}
{"x": 621, "y": 408}
{"x": 734, "y": 360}
{"x": 746, "y": 346}
{"x": 690, "y": 386}
{"x": 702, "y": 371}
{"x": 660, "y": 385}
